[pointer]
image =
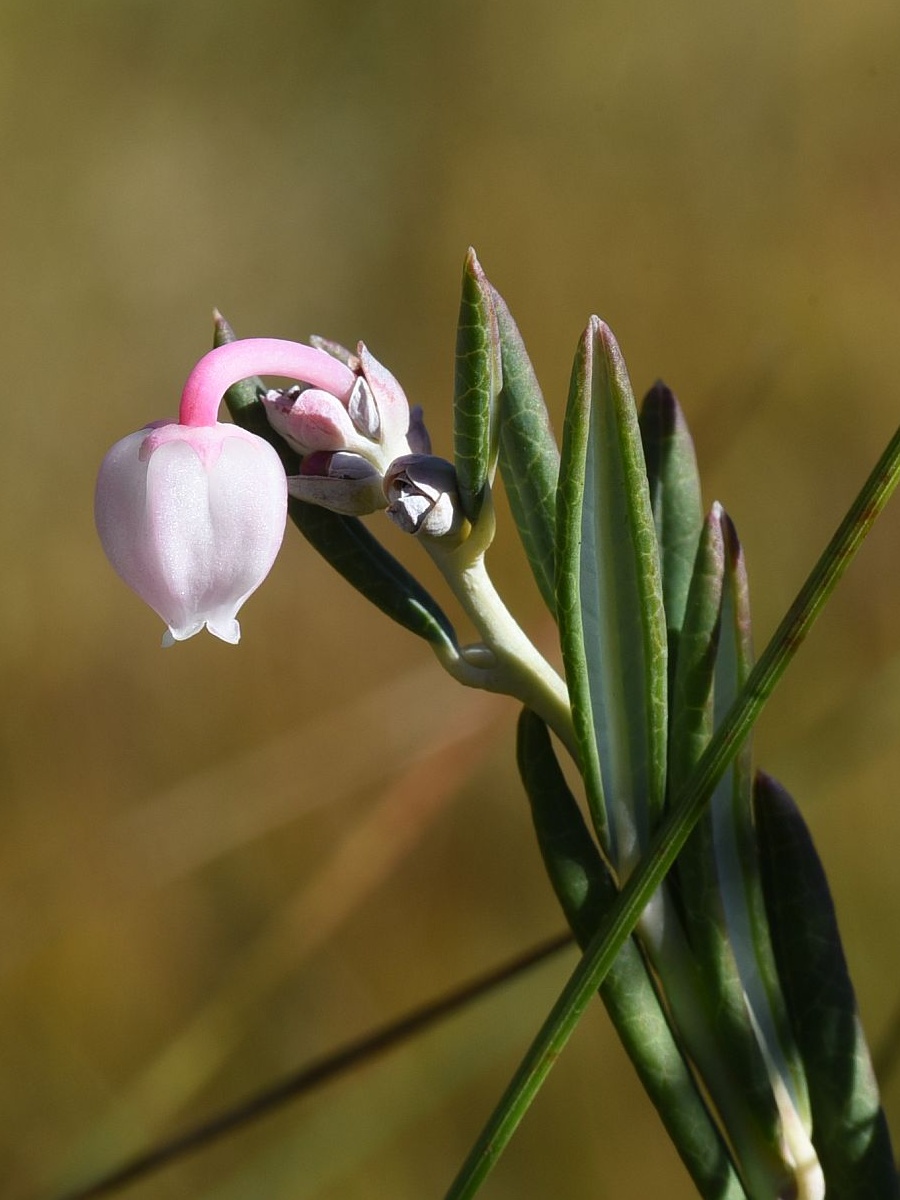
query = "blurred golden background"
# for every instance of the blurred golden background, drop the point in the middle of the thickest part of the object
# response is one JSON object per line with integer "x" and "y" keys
{"x": 216, "y": 863}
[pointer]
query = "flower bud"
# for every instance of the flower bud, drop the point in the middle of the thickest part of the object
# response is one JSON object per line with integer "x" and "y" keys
{"x": 353, "y": 434}
{"x": 191, "y": 518}
{"x": 345, "y": 483}
{"x": 370, "y": 421}
{"x": 310, "y": 419}
{"x": 423, "y": 497}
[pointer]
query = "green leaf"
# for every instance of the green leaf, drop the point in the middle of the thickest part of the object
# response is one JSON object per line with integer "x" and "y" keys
{"x": 691, "y": 717}
{"x": 529, "y": 457}
{"x": 706, "y": 676}
{"x": 609, "y": 601}
{"x": 343, "y": 541}
{"x": 735, "y": 844}
{"x": 674, "y": 483}
{"x": 668, "y": 841}
{"x": 585, "y": 889}
{"x": 476, "y": 386}
{"x": 849, "y": 1132}
{"x": 573, "y": 627}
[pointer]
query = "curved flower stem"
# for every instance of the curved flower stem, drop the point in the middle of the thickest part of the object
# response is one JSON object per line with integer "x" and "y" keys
{"x": 215, "y": 373}
{"x": 508, "y": 661}
{"x": 673, "y": 833}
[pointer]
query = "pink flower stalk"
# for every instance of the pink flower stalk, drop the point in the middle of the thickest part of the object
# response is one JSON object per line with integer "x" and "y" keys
{"x": 191, "y": 514}
{"x": 217, "y": 371}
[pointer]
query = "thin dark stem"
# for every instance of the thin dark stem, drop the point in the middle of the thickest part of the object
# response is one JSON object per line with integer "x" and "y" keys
{"x": 321, "y": 1070}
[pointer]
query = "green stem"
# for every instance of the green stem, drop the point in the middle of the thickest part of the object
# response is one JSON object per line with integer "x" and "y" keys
{"x": 507, "y": 661}
{"x": 673, "y": 833}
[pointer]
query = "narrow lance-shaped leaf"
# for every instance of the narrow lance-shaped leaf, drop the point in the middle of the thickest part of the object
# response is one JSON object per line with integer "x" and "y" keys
{"x": 476, "y": 385}
{"x": 849, "y": 1130}
{"x": 343, "y": 541}
{"x": 695, "y": 878}
{"x": 529, "y": 457}
{"x": 574, "y": 627}
{"x": 674, "y": 482}
{"x": 585, "y": 890}
{"x": 737, "y": 862}
{"x": 691, "y": 716}
{"x": 609, "y": 598}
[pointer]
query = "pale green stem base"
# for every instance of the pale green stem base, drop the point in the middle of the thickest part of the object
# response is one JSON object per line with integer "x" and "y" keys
{"x": 506, "y": 661}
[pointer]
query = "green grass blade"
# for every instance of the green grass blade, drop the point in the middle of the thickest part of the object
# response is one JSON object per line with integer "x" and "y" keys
{"x": 850, "y": 1133}
{"x": 476, "y": 386}
{"x": 609, "y": 596}
{"x": 343, "y": 541}
{"x": 529, "y": 457}
{"x": 585, "y": 890}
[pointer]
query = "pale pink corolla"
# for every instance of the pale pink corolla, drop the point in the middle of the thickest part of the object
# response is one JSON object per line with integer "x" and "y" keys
{"x": 191, "y": 514}
{"x": 192, "y": 517}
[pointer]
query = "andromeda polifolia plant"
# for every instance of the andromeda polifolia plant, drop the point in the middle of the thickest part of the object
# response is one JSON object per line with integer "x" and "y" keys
{"x": 688, "y": 877}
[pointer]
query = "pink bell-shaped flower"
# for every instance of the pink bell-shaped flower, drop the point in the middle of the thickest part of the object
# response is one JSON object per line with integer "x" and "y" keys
{"x": 192, "y": 517}
{"x": 191, "y": 513}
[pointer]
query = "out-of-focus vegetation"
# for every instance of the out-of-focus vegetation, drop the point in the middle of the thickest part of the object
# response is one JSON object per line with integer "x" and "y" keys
{"x": 215, "y": 863}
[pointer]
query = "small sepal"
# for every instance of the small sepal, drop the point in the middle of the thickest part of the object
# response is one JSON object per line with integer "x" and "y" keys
{"x": 417, "y": 435}
{"x": 345, "y": 483}
{"x": 392, "y": 418}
